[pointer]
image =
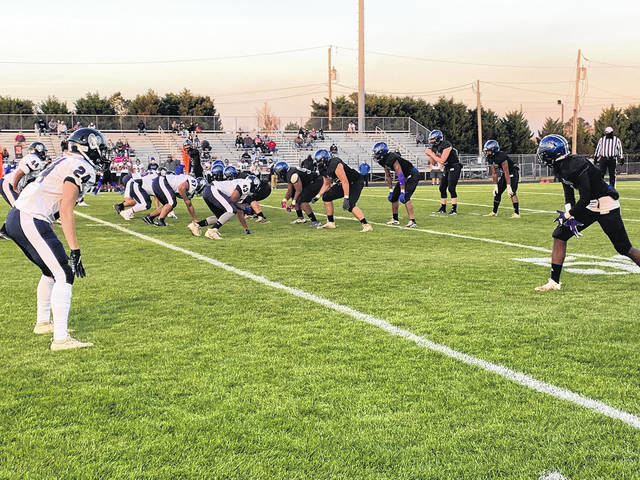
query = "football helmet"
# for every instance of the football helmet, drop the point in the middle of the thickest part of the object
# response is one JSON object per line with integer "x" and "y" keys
{"x": 187, "y": 143}
{"x": 281, "y": 168}
{"x": 552, "y": 148}
{"x": 218, "y": 163}
{"x": 254, "y": 183}
{"x": 200, "y": 184}
{"x": 491, "y": 147}
{"x": 262, "y": 192}
{"x": 90, "y": 143}
{"x": 216, "y": 172}
{"x": 39, "y": 149}
{"x": 435, "y": 137}
{"x": 230, "y": 172}
{"x": 322, "y": 156}
{"x": 162, "y": 171}
{"x": 380, "y": 149}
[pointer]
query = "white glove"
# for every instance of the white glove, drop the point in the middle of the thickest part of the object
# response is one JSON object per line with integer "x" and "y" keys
{"x": 510, "y": 191}
{"x": 495, "y": 189}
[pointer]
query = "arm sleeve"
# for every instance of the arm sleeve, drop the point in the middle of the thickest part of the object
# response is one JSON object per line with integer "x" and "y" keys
{"x": 569, "y": 195}
{"x": 584, "y": 188}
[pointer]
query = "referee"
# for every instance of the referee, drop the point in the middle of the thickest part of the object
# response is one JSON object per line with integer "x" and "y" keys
{"x": 608, "y": 152}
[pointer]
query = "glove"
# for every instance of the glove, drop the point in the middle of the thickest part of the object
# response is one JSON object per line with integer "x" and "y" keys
{"x": 495, "y": 189}
{"x": 346, "y": 204}
{"x": 315, "y": 199}
{"x": 247, "y": 231}
{"x": 510, "y": 191}
{"x": 289, "y": 208}
{"x": 247, "y": 210}
{"x": 293, "y": 202}
{"x": 390, "y": 194}
{"x": 566, "y": 220}
{"x": 284, "y": 204}
{"x": 401, "y": 198}
{"x": 621, "y": 161}
{"x": 76, "y": 264}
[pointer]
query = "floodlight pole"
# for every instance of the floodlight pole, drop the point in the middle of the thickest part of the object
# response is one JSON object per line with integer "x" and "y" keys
{"x": 330, "y": 95}
{"x": 479, "y": 107}
{"x": 574, "y": 134}
{"x": 361, "y": 66}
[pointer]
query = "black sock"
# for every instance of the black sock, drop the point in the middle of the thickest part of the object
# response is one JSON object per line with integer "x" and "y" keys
{"x": 363, "y": 221}
{"x": 299, "y": 213}
{"x": 153, "y": 217}
{"x": 443, "y": 207}
{"x": 516, "y": 207}
{"x": 312, "y": 217}
{"x": 261, "y": 215}
{"x": 329, "y": 218}
{"x": 412, "y": 220}
{"x": 216, "y": 225}
{"x": 454, "y": 207}
{"x": 555, "y": 272}
{"x": 203, "y": 223}
{"x": 121, "y": 205}
{"x": 395, "y": 217}
{"x": 495, "y": 206}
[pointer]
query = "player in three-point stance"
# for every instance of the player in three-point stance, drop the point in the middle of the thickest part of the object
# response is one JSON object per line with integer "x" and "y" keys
{"x": 408, "y": 178}
{"x": 442, "y": 152}
{"x": 28, "y": 224}
{"x": 165, "y": 189}
{"x": 303, "y": 185}
{"x": 505, "y": 175}
{"x": 138, "y": 191}
{"x": 598, "y": 203}
{"x": 340, "y": 181}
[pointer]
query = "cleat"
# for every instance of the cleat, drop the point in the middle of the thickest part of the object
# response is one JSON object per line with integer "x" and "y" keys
{"x": 550, "y": 285}
{"x": 328, "y": 225}
{"x": 411, "y": 225}
{"x": 441, "y": 211}
{"x": 3, "y": 233}
{"x": 194, "y": 228}
{"x": 172, "y": 215}
{"x": 159, "y": 222}
{"x": 213, "y": 234}
{"x": 316, "y": 224}
{"x": 148, "y": 219}
{"x": 83, "y": 203}
{"x": 491, "y": 214}
{"x": 117, "y": 208}
{"x": 298, "y": 220}
{"x": 367, "y": 228}
{"x": 453, "y": 212}
{"x": 515, "y": 215}
{"x": 68, "y": 344}
{"x": 43, "y": 328}
{"x": 127, "y": 214}
{"x": 261, "y": 220}
{"x": 393, "y": 222}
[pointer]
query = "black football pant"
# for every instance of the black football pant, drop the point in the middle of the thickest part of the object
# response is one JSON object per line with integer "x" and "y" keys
{"x": 608, "y": 163}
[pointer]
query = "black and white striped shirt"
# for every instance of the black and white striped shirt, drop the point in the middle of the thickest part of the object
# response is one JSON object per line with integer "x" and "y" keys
{"x": 609, "y": 147}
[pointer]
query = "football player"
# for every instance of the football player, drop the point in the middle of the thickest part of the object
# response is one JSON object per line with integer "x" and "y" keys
{"x": 223, "y": 199}
{"x": 137, "y": 194}
{"x": 442, "y": 152}
{"x": 165, "y": 189}
{"x": 598, "y": 203}
{"x": 251, "y": 205}
{"x": 505, "y": 175}
{"x": 28, "y": 224}
{"x": 28, "y": 168}
{"x": 339, "y": 181}
{"x": 302, "y": 186}
{"x": 408, "y": 178}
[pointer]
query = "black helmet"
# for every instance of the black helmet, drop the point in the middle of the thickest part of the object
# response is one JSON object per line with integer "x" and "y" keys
{"x": 90, "y": 143}
{"x": 39, "y": 149}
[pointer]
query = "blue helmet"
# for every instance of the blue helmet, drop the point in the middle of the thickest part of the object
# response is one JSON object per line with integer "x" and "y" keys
{"x": 552, "y": 148}
{"x": 435, "y": 137}
{"x": 322, "y": 156}
{"x": 380, "y": 149}
{"x": 281, "y": 168}
{"x": 230, "y": 172}
{"x": 491, "y": 147}
{"x": 364, "y": 168}
{"x": 216, "y": 171}
{"x": 186, "y": 143}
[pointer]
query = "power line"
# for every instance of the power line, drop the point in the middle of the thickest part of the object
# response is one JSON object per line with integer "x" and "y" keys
{"x": 431, "y": 92}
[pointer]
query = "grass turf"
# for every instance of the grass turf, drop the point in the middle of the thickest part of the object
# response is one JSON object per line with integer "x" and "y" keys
{"x": 199, "y": 373}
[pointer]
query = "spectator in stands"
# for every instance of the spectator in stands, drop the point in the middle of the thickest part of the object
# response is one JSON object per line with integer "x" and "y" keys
{"x": 41, "y": 126}
{"x": 142, "y": 128}
{"x": 64, "y": 145}
{"x": 5, "y": 155}
{"x": 183, "y": 129}
{"x": 298, "y": 141}
{"x": 247, "y": 142}
{"x": 53, "y": 126}
{"x": 126, "y": 147}
{"x": 333, "y": 149}
{"x": 351, "y": 128}
{"x": 153, "y": 165}
{"x": 301, "y": 131}
{"x": 198, "y": 129}
{"x": 196, "y": 142}
{"x": 308, "y": 163}
{"x": 271, "y": 146}
{"x": 77, "y": 125}
{"x": 192, "y": 128}
{"x": 120, "y": 148}
{"x": 205, "y": 145}
{"x": 171, "y": 164}
{"x": 239, "y": 141}
{"x": 174, "y": 127}
{"x": 62, "y": 129}
{"x": 321, "y": 135}
{"x": 245, "y": 157}
{"x": 419, "y": 138}
{"x": 20, "y": 140}
{"x": 257, "y": 141}
{"x": 313, "y": 134}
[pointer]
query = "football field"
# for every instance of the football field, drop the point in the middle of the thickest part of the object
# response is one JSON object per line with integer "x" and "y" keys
{"x": 296, "y": 353}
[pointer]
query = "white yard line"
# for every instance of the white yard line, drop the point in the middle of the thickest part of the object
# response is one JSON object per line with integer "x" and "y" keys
{"x": 514, "y": 376}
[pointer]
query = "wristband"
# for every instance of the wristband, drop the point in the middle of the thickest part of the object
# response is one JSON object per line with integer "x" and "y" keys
{"x": 346, "y": 196}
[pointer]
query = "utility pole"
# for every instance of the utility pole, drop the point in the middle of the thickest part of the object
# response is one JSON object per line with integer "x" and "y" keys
{"x": 360, "y": 66}
{"x": 479, "y": 108}
{"x": 330, "y": 95}
{"x": 561, "y": 112}
{"x": 574, "y": 135}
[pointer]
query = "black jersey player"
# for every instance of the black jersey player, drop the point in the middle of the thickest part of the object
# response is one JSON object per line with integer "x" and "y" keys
{"x": 302, "y": 186}
{"x": 505, "y": 175}
{"x": 441, "y": 151}
{"x": 598, "y": 202}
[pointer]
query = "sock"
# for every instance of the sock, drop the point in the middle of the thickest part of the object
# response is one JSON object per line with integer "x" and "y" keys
{"x": 495, "y": 206}
{"x": 216, "y": 225}
{"x": 516, "y": 207}
{"x": 299, "y": 213}
{"x": 454, "y": 207}
{"x": 60, "y": 305}
{"x": 261, "y": 215}
{"x": 443, "y": 207}
{"x": 329, "y": 218}
{"x": 363, "y": 221}
{"x": 395, "y": 217}
{"x": 555, "y": 272}
{"x": 312, "y": 217}
{"x": 121, "y": 205}
{"x": 412, "y": 220}
{"x": 153, "y": 217}
{"x": 44, "y": 299}
{"x": 203, "y": 223}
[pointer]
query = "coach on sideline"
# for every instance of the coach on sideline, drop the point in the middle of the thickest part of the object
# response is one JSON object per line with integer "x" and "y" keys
{"x": 608, "y": 152}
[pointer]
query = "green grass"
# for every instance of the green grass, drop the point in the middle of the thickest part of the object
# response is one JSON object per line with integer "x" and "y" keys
{"x": 200, "y": 373}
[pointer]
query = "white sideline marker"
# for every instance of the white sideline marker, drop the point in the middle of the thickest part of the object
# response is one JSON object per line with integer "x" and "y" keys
{"x": 553, "y": 476}
{"x": 517, "y": 377}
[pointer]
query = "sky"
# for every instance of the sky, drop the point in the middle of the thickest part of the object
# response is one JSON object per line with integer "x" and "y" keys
{"x": 523, "y": 54}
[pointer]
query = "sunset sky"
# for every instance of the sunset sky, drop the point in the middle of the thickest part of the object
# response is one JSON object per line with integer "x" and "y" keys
{"x": 535, "y": 46}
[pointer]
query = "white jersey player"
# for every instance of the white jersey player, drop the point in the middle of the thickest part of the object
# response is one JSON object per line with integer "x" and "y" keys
{"x": 55, "y": 192}
{"x": 137, "y": 194}
{"x": 28, "y": 168}
{"x": 165, "y": 189}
